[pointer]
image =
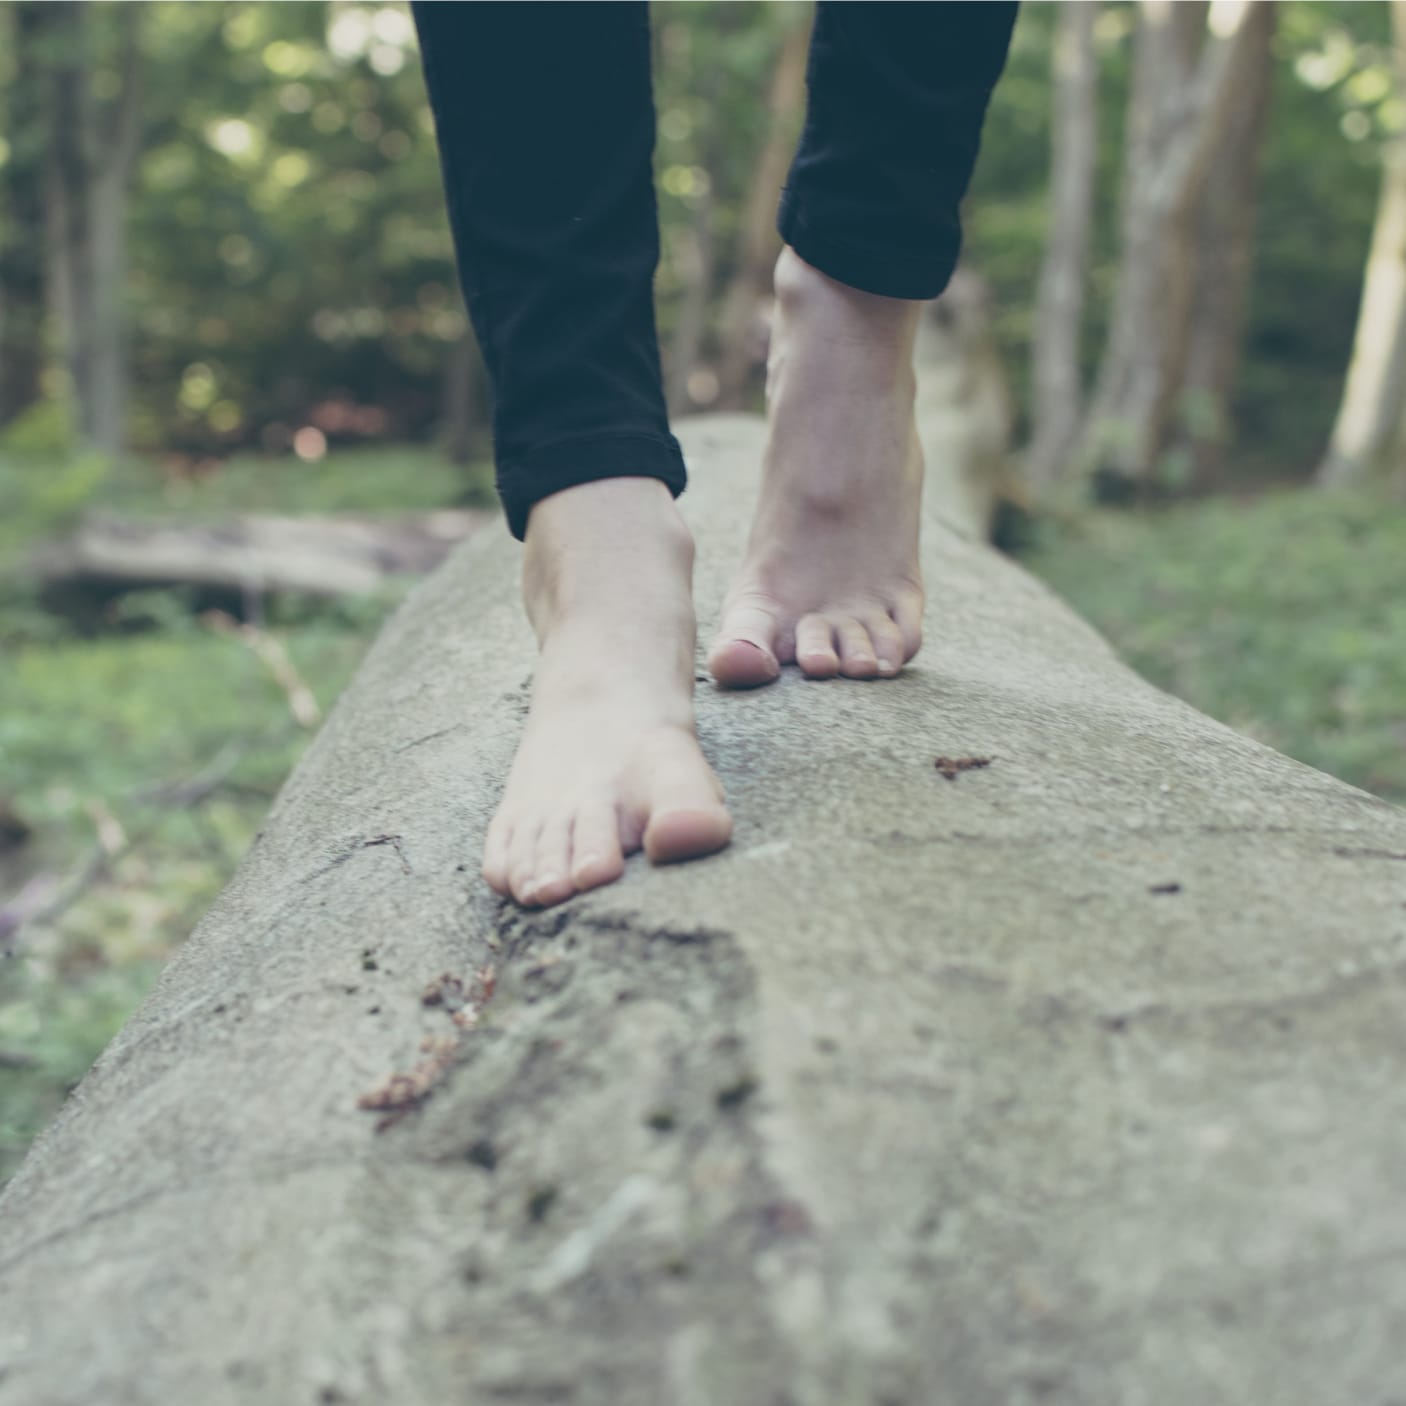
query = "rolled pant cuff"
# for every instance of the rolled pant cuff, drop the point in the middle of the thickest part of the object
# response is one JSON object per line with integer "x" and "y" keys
{"x": 569, "y": 462}
{"x": 872, "y": 270}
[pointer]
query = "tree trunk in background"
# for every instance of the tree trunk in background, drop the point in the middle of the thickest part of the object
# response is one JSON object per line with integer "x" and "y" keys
{"x": 1224, "y": 235}
{"x": 67, "y": 197}
{"x": 1183, "y": 90}
{"x": 92, "y": 148}
{"x": 1368, "y": 430}
{"x": 757, "y": 241}
{"x": 22, "y": 236}
{"x": 114, "y": 149}
{"x": 686, "y": 345}
{"x": 463, "y": 376}
{"x": 1059, "y": 315}
{"x": 691, "y": 324}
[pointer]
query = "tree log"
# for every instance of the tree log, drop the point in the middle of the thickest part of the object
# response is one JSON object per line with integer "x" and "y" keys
{"x": 343, "y": 555}
{"x": 1076, "y": 1077}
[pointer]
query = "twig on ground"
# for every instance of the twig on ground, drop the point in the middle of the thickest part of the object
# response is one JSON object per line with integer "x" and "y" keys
{"x": 270, "y": 651}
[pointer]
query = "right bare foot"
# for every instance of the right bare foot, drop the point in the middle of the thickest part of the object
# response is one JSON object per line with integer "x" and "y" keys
{"x": 831, "y": 579}
{"x": 609, "y": 762}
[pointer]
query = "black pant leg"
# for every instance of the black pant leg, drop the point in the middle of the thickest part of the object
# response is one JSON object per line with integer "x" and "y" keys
{"x": 545, "y": 119}
{"x": 896, "y": 96}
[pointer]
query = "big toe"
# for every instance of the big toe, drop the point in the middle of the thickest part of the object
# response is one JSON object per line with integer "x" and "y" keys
{"x": 744, "y": 653}
{"x": 686, "y": 815}
{"x": 686, "y": 833}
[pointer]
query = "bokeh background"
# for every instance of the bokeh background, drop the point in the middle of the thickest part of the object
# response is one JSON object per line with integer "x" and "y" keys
{"x": 240, "y": 406}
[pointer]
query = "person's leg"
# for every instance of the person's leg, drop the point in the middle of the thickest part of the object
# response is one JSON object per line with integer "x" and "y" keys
{"x": 831, "y": 579}
{"x": 545, "y": 122}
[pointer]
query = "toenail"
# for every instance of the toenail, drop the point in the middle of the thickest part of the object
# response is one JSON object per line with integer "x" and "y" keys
{"x": 586, "y": 861}
{"x": 885, "y": 667}
{"x": 545, "y": 882}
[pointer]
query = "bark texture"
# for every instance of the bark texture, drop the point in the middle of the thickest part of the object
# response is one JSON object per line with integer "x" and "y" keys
{"x": 1059, "y": 317}
{"x": 1076, "y": 1078}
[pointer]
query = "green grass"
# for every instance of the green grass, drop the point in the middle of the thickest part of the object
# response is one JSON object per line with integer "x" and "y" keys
{"x": 1284, "y": 616}
{"x": 90, "y": 724}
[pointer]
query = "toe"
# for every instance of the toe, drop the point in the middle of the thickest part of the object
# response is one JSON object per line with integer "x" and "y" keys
{"x": 495, "y": 854}
{"x": 889, "y": 647}
{"x": 596, "y": 857}
{"x": 857, "y": 659}
{"x": 744, "y": 653}
{"x": 522, "y": 855}
{"x": 815, "y": 647}
{"x": 907, "y": 613}
{"x": 686, "y": 815}
{"x": 551, "y": 878}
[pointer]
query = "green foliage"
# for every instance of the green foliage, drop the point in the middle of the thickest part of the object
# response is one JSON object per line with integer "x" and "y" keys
{"x": 1317, "y": 199}
{"x": 1282, "y": 616}
{"x": 98, "y": 729}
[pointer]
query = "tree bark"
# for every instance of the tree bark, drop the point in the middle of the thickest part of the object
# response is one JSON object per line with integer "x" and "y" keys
{"x": 1051, "y": 1088}
{"x": 22, "y": 230}
{"x": 1058, "y": 390}
{"x": 1224, "y": 255}
{"x": 758, "y": 243}
{"x": 1183, "y": 90}
{"x": 1367, "y": 438}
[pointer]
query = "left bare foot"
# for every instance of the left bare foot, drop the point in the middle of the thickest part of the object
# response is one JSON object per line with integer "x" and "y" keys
{"x": 831, "y": 579}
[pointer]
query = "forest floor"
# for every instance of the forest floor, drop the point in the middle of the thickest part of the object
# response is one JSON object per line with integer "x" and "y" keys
{"x": 143, "y": 755}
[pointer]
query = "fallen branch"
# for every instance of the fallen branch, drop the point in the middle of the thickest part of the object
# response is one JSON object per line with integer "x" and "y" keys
{"x": 271, "y": 652}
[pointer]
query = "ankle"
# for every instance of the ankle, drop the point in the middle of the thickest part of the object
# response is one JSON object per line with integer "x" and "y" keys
{"x": 802, "y": 290}
{"x": 614, "y": 544}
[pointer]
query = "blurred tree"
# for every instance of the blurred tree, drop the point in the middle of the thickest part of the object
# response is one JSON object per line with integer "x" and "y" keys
{"x": 1057, "y": 385}
{"x": 1224, "y": 251}
{"x": 1182, "y": 94}
{"x": 1369, "y": 436}
{"x": 757, "y": 241}
{"x": 696, "y": 250}
{"x": 92, "y": 142}
{"x": 22, "y": 240}
{"x": 465, "y": 386}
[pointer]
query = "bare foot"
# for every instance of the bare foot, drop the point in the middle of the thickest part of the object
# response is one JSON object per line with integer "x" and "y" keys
{"x": 831, "y": 579}
{"x": 609, "y": 761}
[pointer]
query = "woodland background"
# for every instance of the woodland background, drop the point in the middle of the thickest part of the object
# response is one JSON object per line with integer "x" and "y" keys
{"x": 226, "y": 288}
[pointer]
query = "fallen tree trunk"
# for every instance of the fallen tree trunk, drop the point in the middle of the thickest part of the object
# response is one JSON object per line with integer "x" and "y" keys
{"x": 1075, "y": 1077}
{"x": 342, "y": 555}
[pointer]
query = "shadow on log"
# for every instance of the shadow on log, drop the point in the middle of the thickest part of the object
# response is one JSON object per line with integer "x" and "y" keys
{"x": 1074, "y": 1077}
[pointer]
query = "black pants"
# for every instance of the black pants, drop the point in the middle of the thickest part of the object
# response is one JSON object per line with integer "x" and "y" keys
{"x": 545, "y": 119}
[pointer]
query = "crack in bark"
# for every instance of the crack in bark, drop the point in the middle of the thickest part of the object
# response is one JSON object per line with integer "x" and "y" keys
{"x": 355, "y": 848}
